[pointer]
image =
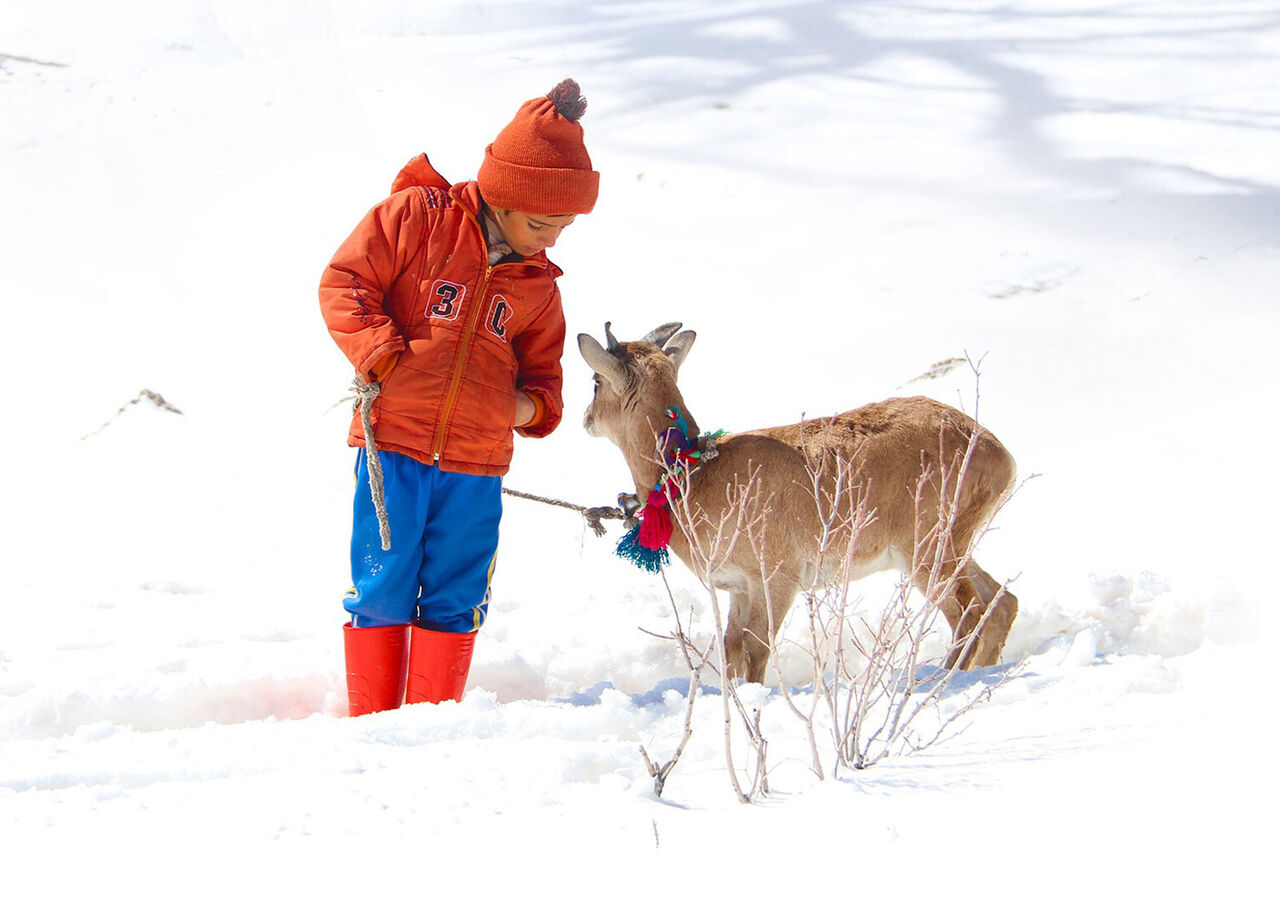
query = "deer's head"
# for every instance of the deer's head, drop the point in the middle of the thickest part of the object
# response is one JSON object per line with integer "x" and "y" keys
{"x": 635, "y": 382}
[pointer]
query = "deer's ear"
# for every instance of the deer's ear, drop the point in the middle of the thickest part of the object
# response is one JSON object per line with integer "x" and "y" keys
{"x": 678, "y": 347}
{"x": 602, "y": 362}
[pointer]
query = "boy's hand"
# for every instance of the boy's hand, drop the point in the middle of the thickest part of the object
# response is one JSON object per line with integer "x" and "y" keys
{"x": 526, "y": 409}
{"x": 531, "y": 410}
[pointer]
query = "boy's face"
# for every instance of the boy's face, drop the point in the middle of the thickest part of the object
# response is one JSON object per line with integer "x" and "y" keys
{"x": 530, "y": 234}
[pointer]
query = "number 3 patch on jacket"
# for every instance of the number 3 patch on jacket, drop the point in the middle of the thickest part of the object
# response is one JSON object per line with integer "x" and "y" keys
{"x": 445, "y": 300}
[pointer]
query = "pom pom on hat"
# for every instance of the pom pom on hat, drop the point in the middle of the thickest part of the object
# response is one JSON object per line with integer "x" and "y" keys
{"x": 569, "y": 100}
{"x": 539, "y": 163}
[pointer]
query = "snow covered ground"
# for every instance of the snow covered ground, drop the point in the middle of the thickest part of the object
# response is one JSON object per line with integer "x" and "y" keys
{"x": 1082, "y": 194}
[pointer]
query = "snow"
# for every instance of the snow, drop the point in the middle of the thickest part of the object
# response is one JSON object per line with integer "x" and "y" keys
{"x": 837, "y": 196}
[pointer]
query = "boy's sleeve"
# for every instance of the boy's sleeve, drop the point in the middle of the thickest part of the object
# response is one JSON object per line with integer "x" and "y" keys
{"x": 354, "y": 285}
{"x": 538, "y": 349}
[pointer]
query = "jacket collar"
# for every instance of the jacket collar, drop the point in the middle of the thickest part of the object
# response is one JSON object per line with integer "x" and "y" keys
{"x": 467, "y": 195}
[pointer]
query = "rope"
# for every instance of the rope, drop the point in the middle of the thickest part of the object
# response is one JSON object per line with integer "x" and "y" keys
{"x": 365, "y": 394}
{"x": 593, "y": 515}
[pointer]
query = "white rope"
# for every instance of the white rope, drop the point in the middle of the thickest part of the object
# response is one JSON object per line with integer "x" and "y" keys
{"x": 593, "y": 515}
{"x": 365, "y": 394}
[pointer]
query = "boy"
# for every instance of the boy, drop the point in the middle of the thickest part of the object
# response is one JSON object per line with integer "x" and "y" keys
{"x": 444, "y": 297}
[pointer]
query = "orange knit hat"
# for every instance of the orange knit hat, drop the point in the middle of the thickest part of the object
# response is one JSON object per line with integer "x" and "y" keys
{"x": 538, "y": 163}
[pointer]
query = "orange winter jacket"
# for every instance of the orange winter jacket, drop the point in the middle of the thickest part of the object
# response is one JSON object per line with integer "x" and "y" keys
{"x": 414, "y": 279}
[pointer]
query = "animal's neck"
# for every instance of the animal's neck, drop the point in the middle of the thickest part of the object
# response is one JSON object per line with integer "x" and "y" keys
{"x": 640, "y": 444}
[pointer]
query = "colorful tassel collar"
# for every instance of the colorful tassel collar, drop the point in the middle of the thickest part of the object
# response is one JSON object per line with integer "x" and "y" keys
{"x": 646, "y": 545}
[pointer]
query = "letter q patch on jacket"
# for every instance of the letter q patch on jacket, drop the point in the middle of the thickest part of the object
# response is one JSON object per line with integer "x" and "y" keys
{"x": 499, "y": 314}
{"x": 445, "y": 300}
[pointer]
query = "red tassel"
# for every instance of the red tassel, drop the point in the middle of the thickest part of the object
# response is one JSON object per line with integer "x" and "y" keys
{"x": 655, "y": 527}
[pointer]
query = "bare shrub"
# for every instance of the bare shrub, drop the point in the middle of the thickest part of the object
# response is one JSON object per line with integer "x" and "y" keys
{"x": 878, "y": 684}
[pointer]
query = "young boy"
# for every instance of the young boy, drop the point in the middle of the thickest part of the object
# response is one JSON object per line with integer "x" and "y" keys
{"x": 443, "y": 295}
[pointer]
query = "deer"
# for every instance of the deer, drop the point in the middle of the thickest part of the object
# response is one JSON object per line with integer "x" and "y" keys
{"x": 896, "y": 459}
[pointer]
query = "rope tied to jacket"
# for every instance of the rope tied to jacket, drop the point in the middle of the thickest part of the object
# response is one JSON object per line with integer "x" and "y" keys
{"x": 366, "y": 392}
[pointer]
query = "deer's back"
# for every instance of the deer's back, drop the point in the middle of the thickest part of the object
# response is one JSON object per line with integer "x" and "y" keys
{"x": 891, "y": 436}
{"x": 887, "y": 446}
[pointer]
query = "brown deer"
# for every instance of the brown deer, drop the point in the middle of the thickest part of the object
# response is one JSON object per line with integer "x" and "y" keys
{"x": 908, "y": 463}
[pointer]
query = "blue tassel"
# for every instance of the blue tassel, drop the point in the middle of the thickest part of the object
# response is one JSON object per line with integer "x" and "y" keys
{"x": 646, "y": 559}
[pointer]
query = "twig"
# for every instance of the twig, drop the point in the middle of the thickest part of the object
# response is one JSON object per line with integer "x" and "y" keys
{"x": 660, "y": 774}
{"x": 150, "y": 395}
{"x": 28, "y": 59}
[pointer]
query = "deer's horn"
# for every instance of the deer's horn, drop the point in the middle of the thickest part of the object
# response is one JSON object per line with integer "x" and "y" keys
{"x": 612, "y": 341}
{"x": 662, "y": 333}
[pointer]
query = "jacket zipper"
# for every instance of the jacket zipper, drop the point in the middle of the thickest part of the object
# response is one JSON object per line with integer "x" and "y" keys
{"x": 459, "y": 364}
{"x": 464, "y": 351}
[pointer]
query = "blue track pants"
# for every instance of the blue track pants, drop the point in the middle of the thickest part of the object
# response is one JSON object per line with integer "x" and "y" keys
{"x": 444, "y": 542}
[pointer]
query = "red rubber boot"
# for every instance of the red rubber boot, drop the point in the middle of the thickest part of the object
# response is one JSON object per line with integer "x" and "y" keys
{"x": 438, "y": 665}
{"x": 377, "y": 662}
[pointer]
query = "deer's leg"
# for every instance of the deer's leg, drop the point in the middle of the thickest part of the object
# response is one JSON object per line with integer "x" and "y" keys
{"x": 979, "y": 614}
{"x": 780, "y": 594}
{"x": 735, "y": 636}
{"x": 747, "y": 636}
{"x": 961, "y": 608}
{"x": 963, "y": 612}
{"x": 1000, "y": 607}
